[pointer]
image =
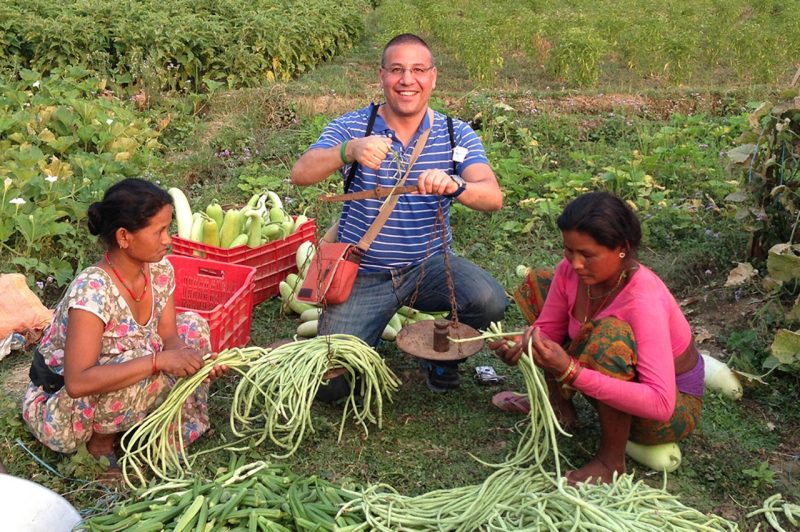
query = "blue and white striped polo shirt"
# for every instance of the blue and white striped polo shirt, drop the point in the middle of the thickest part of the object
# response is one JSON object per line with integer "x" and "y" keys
{"x": 410, "y": 234}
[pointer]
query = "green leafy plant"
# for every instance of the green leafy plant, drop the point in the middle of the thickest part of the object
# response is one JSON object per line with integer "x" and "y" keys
{"x": 768, "y": 164}
{"x": 762, "y": 476}
{"x": 179, "y": 45}
{"x": 576, "y": 56}
{"x": 82, "y": 464}
{"x": 61, "y": 146}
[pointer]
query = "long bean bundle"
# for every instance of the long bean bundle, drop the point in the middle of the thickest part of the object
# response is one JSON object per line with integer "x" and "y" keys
{"x": 273, "y": 399}
{"x": 157, "y": 442}
{"x": 522, "y": 495}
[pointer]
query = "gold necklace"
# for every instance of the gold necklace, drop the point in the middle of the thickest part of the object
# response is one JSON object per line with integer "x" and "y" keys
{"x": 622, "y": 275}
{"x": 589, "y": 298}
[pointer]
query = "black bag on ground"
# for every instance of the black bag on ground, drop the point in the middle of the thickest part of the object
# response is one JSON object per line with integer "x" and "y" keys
{"x": 41, "y": 374}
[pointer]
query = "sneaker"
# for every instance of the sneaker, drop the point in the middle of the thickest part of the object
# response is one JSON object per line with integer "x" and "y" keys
{"x": 334, "y": 390}
{"x": 440, "y": 378}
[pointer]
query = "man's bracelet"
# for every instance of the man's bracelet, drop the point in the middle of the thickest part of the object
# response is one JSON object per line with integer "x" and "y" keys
{"x": 341, "y": 152}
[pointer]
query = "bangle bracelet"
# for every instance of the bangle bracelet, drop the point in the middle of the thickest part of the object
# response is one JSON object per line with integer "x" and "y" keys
{"x": 573, "y": 375}
{"x": 342, "y": 147}
{"x": 155, "y": 368}
{"x": 570, "y": 368}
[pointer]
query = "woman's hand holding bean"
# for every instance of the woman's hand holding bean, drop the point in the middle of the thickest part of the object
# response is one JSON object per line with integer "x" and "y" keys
{"x": 217, "y": 371}
{"x": 511, "y": 348}
{"x": 548, "y": 354}
{"x": 180, "y": 362}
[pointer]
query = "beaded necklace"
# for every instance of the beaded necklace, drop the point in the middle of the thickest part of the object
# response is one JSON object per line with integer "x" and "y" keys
{"x": 113, "y": 269}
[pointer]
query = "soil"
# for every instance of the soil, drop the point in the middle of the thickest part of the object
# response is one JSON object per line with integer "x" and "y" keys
{"x": 15, "y": 380}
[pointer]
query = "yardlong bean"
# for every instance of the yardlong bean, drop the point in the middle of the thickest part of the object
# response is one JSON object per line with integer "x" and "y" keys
{"x": 522, "y": 495}
{"x": 773, "y": 507}
{"x": 157, "y": 442}
{"x": 273, "y": 399}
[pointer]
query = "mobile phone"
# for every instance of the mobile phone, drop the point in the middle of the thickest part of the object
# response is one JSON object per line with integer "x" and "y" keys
{"x": 487, "y": 375}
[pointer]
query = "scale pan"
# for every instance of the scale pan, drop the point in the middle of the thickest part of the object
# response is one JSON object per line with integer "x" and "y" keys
{"x": 416, "y": 339}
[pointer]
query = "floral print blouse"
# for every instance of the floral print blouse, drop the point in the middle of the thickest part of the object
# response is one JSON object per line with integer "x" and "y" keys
{"x": 94, "y": 291}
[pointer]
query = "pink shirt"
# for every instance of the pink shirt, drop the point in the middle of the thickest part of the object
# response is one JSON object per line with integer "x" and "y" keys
{"x": 659, "y": 327}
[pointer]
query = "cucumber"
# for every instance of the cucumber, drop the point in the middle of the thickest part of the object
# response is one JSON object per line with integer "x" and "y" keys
{"x": 311, "y": 314}
{"x": 308, "y": 329}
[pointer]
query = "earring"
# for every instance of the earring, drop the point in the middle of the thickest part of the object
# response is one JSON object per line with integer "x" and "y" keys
{"x": 622, "y": 254}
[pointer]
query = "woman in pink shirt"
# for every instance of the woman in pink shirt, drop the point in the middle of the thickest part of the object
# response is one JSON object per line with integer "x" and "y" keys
{"x": 626, "y": 344}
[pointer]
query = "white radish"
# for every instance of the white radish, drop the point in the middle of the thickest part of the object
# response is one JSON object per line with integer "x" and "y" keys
{"x": 719, "y": 377}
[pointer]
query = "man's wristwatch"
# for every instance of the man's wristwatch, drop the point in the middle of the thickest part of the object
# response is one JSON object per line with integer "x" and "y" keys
{"x": 462, "y": 185}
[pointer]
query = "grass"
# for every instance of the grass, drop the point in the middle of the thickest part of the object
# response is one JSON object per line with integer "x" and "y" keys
{"x": 427, "y": 439}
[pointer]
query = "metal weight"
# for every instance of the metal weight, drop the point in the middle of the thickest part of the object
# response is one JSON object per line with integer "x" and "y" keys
{"x": 429, "y": 339}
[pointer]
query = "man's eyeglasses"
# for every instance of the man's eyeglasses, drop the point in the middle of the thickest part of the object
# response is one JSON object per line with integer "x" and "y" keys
{"x": 416, "y": 71}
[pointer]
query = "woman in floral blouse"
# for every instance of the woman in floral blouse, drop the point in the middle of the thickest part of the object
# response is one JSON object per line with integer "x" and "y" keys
{"x": 115, "y": 346}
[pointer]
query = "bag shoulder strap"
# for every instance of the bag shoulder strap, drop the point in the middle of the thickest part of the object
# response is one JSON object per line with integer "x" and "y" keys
{"x": 452, "y": 134}
{"x": 373, "y": 112}
{"x": 388, "y": 205}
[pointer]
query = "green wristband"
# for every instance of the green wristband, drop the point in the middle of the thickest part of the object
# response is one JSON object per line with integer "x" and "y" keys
{"x": 341, "y": 152}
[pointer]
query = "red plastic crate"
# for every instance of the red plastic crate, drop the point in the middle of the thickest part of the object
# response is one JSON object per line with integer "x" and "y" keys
{"x": 219, "y": 292}
{"x": 273, "y": 261}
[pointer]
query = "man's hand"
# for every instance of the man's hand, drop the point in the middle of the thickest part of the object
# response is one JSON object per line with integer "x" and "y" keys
{"x": 368, "y": 151}
{"x": 436, "y": 182}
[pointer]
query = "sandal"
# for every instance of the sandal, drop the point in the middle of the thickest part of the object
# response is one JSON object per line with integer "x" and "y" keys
{"x": 114, "y": 472}
{"x": 569, "y": 480}
{"x": 513, "y": 402}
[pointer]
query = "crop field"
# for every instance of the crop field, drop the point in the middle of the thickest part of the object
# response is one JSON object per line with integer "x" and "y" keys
{"x": 690, "y": 111}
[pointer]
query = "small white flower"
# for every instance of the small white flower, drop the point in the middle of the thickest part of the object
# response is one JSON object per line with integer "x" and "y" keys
{"x": 7, "y": 183}
{"x": 109, "y": 121}
{"x": 17, "y": 201}
{"x": 36, "y": 83}
{"x": 39, "y": 285}
{"x": 51, "y": 178}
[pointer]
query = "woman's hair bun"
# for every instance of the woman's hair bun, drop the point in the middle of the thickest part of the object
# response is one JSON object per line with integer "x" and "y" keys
{"x": 94, "y": 218}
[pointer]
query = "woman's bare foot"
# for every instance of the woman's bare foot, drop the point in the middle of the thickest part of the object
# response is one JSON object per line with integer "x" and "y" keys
{"x": 101, "y": 444}
{"x": 595, "y": 471}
